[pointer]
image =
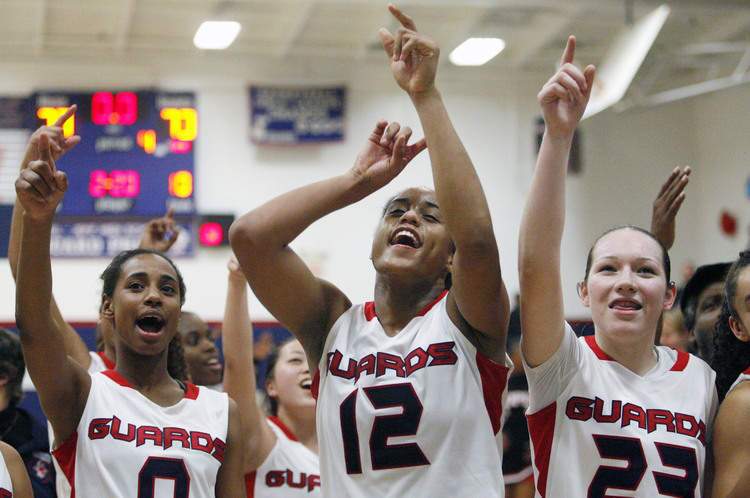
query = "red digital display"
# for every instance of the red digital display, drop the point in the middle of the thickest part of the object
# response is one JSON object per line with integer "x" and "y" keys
{"x": 211, "y": 234}
{"x": 115, "y": 183}
{"x": 114, "y": 109}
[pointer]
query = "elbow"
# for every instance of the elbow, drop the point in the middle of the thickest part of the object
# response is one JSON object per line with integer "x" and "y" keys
{"x": 244, "y": 234}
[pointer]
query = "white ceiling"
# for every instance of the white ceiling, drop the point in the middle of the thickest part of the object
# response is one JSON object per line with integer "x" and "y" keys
{"x": 703, "y": 39}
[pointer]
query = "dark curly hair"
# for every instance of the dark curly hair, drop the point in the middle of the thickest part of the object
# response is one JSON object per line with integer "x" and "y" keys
{"x": 176, "y": 364}
{"x": 731, "y": 356}
{"x": 12, "y": 365}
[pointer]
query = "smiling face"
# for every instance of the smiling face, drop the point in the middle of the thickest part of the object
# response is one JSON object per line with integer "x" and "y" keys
{"x": 290, "y": 381}
{"x": 201, "y": 355}
{"x": 411, "y": 238}
{"x": 626, "y": 287}
{"x": 145, "y": 305}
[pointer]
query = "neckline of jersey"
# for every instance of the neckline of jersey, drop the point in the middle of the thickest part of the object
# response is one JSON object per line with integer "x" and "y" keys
{"x": 370, "y": 313}
{"x": 679, "y": 364}
{"x": 284, "y": 428}
{"x": 107, "y": 361}
{"x": 191, "y": 391}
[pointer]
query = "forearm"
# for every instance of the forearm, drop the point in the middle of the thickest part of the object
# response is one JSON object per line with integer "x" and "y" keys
{"x": 459, "y": 191}
{"x": 34, "y": 279}
{"x": 237, "y": 344}
{"x": 14, "y": 242}
{"x": 544, "y": 216}
{"x": 278, "y": 222}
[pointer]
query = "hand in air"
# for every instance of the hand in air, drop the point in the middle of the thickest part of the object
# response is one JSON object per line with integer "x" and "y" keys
{"x": 413, "y": 56}
{"x": 40, "y": 186}
{"x": 564, "y": 97}
{"x": 235, "y": 272}
{"x": 386, "y": 154}
{"x": 667, "y": 205}
{"x": 58, "y": 143}
{"x": 160, "y": 234}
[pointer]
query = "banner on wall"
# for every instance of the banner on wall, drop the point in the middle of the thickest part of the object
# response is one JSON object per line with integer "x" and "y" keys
{"x": 297, "y": 115}
{"x": 87, "y": 239}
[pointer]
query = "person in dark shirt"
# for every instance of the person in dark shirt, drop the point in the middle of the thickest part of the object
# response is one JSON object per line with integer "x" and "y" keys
{"x": 18, "y": 428}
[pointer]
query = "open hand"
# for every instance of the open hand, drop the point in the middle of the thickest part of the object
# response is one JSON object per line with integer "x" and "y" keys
{"x": 160, "y": 234}
{"x": 413, "y": 56}
{"x": 40, "y": 186}
{"x": 386, "y": 154}
{"x": 59, "y": 145}
{"x": 667, "y": 205}
{"x": 564, "y": 97}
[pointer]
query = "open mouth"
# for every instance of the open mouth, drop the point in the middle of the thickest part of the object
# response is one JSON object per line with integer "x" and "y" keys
{"x": 406, "y": 238}
{"x": 625, "y": 305}
{"x": 150, "y": 324}
{"x": 214, "y": 364}
{"x": 306, "y": 384}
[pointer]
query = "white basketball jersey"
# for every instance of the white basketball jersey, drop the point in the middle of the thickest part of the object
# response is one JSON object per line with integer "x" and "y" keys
{"x": 290, "y": 470}
{"x": 599, "y": 430}
{"x": 99, "y": 363}
{"x": 414, "y": 415}
{"x": 6, "y": 485}
{"x": 744, "y": 376}
{"x": 126, "y": 446}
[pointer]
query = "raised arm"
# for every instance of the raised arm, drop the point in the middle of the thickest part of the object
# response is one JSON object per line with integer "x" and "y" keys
{"x": 731, "y": 446}
{"x": 160, "y": 234}
{"x": 230, "y": 482}
{"x": 563, "y": 100}
{"x": 306, "y": 305}
{"x": 239, "y": 370}
{"x": 63, "y": 385}
{"x": 478, "y": 295}
{"x": 667, "y": 205}
{"x": 74, "y": 345}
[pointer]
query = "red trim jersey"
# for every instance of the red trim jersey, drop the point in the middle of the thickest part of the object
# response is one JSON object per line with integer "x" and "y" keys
{"x": 599, "y": 430}
{"x": 99, "y": 363}
{"x": 291, "y": 469}
{"x": 6, "y": 484}
{"x": 416, "y": 414}
{"x": 744, "y": 376}
{"x": 128, "y": 446}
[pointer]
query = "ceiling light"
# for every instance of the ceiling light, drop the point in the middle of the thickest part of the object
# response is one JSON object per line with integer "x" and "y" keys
{"x": 216, "y": 35}
{"x": 476, "y": 51}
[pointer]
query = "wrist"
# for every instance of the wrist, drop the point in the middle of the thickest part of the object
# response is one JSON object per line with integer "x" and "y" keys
{"x": 358, "y": 185}
{"x": 432, "y": 94}
{"x": 559, "y": 137}
{"x": 38, "y": 220}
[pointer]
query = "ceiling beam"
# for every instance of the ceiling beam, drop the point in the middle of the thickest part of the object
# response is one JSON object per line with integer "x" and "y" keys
{"x": 126, "y": 24}
{"x": 300, "y": 23}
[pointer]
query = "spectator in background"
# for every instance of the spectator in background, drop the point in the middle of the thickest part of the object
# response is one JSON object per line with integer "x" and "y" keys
{"x": 701, "y": 306}
{"x": 201, "y": 354}
{"x": 17, "y": 427}
{"x": 674, "y": 334}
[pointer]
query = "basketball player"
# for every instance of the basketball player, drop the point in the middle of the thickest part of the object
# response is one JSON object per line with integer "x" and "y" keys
{"x": 731, "y": 443}
{"x": 133, "y": 430}
{"x": 410, "y": 385}
{"x": 14, "y": 481}
{"x": 635, "y": 417}
{"x": 282, "y": 450}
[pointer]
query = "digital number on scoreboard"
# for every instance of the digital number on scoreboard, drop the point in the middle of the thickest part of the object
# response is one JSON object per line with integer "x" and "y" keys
{"x": 136, "y": 156}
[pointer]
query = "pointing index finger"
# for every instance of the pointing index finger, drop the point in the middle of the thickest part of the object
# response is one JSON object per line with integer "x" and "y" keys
{"x": 405, "y": 20}
{"x": 570, "y": 51}
{"x": 67, "y": 114}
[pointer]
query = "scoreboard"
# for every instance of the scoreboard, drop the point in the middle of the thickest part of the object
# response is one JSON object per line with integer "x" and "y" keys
{"x": 136, "y": 156}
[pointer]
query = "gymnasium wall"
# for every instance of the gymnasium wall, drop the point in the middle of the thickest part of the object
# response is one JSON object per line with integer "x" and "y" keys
{"x": 626, "y": 156}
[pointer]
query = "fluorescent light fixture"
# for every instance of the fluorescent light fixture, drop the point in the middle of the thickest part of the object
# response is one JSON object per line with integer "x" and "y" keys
{"x": 476, "y": 51}
{"x": 623, "y": 60}
{"x": 216, "y": 35}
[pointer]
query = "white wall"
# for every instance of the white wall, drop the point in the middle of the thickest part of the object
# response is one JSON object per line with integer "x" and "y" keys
{"x": 626, "y": 158}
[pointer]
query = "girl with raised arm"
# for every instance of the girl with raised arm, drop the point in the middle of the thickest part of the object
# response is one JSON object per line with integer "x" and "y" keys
{"x": 410, "y": 384}
{"x": 731, "y": 359}
{"x": 127, "y": 431}
{"x": 636, "y": 418}
{"x": 281, "y": 454}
